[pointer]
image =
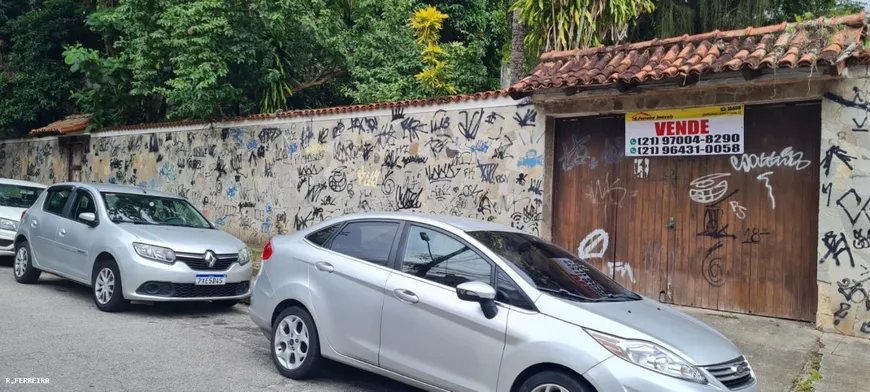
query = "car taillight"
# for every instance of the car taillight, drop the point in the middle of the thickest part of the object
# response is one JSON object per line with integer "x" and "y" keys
{"x": 22, "y": 214}
{"x": 267, "y": 251}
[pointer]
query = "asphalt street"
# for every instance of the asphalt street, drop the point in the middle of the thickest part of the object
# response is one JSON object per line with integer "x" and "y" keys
{"x": 53, "y": 330}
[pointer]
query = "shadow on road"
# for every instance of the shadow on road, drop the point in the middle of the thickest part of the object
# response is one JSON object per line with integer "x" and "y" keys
{"x": 211, "y": 315}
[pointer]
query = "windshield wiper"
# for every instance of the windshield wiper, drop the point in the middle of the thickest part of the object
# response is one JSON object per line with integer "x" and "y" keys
{"x": 566, "y": 293}
{"x": 134, "y": 222}
{"x": 606, "y": 298}
{"x": 633, "y": 296}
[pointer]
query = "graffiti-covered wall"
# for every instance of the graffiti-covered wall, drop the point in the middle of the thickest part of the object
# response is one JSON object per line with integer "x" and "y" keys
{"x": 33, "y": 160}
{"x": 844, "y": 222}
{"x": 481, "y": 159}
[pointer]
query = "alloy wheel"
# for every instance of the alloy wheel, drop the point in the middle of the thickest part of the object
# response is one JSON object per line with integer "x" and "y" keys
{"x": 291, "y": 342}
{"x": 104, "y": 287}
{"x": 21, "y": 261}
{"x": 550, "y": 388}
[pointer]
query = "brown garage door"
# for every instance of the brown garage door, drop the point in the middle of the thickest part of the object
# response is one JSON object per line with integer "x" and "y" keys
{"x": 719, "y": 232}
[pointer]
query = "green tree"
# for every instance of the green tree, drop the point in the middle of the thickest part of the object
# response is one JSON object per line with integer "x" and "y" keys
{"x": 565, "y": 24}
{"x": 35, "y": 85}
{"x": 676, "y": 17}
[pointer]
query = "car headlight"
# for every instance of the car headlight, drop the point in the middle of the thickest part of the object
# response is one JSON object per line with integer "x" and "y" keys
{"x": 156, "y": 253}
{"x": 244, "y": 256}
{"x": 8, "y": 224}
{"x": 650, "y": 356}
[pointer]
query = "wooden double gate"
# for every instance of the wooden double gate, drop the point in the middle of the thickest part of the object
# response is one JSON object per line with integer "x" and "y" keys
{"x": 734, "y": 233}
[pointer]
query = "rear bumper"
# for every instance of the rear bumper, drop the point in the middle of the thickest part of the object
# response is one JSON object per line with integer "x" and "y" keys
{"x": 616, "y": 374}
{"x": 263, "y": 303}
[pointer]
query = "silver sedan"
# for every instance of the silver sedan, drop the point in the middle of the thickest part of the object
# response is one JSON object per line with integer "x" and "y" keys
{"x": 444, "y": 303}
{"x": 129, "y": 243}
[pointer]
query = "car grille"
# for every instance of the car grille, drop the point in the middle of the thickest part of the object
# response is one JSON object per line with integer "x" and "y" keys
{"x": 5, "y": 243}
{"x": 194, "y": 291}
{"x": 196, "y": 261}
{"x": 187, "y": 290}
{"x": 735, "y": 374}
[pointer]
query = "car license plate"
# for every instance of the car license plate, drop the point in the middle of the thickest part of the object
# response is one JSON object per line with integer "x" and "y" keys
{"x": 210, "y": 280}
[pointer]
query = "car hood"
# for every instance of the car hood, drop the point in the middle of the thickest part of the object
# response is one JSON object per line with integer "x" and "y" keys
{"x": 13, "y": 213}
{"x": 185, "y": 239}
{"x": 647, "y": 320}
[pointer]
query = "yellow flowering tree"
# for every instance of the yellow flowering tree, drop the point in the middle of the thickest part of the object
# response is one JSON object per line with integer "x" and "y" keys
{"x": 427, "y": 24}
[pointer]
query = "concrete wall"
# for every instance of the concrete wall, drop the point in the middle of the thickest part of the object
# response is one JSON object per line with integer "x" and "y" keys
{"x": 479, "y": 159}
{"x": 844, "y": 217}
{"x": 37, "y": 160}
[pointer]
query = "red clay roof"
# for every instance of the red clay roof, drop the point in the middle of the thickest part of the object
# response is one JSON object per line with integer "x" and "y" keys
{"x": 70, "y": 124}
{"x": 325, "y": 111}
{"x": 824, "y": 41}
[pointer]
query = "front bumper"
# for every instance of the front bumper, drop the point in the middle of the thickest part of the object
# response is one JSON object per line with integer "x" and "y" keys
{"x": 175, "y": 282}
{"x": 7, "y": 243}
{"x": 616, "y": 374}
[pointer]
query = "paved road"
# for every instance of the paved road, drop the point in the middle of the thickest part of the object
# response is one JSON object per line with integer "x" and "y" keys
{"x": 52, "y": 330}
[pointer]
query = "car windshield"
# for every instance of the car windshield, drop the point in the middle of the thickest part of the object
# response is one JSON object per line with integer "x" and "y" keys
{"x": 552, "y": 269}
{"x": 153, "y": 210}
{"x": 18, "y": 196}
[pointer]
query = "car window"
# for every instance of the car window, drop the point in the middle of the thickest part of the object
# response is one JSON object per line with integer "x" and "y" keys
{"x": 507, "y": 292}
{"x": 369, "y": 241}
{"x": 552, "y": 269}
{"x": 153, "y": 210}
{"x": 56, "y": 200}
{"x": 441, "y": 258}
{"x": 84, "y": 203}
{"x": 18, "y": 196}
{"x": 320, "y": 237}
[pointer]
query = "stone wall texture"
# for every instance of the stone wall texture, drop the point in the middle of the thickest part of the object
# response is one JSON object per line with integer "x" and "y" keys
{"x": 844, "y": 216}
{"x": 36, "y": 160}
{"x": 480, "y": 159}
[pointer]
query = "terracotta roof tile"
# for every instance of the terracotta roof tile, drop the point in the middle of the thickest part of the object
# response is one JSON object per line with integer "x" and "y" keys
{"x": 70, "y": 124}
{"x": 824, "y": 41}
{"x": 324, "y": 111}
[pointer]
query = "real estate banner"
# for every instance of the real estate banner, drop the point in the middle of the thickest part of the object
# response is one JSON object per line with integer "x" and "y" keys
{"x": 715, "y": 130}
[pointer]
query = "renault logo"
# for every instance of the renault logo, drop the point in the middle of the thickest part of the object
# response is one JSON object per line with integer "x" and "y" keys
{"x": 210, "y": 258}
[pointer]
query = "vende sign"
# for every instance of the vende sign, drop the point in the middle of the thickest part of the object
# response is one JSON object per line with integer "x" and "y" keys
{"x": 714, "y": 130}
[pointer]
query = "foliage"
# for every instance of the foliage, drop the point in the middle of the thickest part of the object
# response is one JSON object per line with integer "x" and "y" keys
{"x": 427, "y": 24}
{"x": 133, "y": 61}
{"x": 568, "y": 24}
{"x": 382, "y": 53}
{"x": 34, "y": 84}
{"x": 676, "y": 17}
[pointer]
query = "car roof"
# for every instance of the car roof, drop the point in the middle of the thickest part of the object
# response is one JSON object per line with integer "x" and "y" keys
{"x": 118, "y": 188}
{"x": 461, "y": 223}
{"x": 10, "y": 181}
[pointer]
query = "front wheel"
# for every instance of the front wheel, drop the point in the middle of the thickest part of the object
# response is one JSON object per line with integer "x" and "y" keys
{"x": 24, "y": 270}
{"x": 295, "y": 344}
{"x": 106, "y": 284}
{"x": 554, "y": 381}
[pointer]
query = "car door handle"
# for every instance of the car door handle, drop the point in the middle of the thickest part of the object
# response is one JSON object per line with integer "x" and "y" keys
{"x": 62, "y": 232}
{"x": 406, "y": 296}
{"x": 324, "y": 266}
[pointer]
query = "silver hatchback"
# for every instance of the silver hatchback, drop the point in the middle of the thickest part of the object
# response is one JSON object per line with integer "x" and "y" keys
{"x": 454, "y": 304}
{"x": 129, "y": 243}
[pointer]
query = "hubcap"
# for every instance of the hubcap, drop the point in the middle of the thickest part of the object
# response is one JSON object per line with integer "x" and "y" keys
{"x": 550, "y": 388}
{"x": 291, "y": 342}
{"x": 104, "y": 287}
{"x": 21, "y": 262}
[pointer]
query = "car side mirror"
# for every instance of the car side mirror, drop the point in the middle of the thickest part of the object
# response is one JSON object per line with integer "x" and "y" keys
{"x": 88, "y": 218}
{"x": 479, "y": 292}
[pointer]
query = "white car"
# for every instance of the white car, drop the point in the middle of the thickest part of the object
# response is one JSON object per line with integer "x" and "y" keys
{"x": 16, "y": 196}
